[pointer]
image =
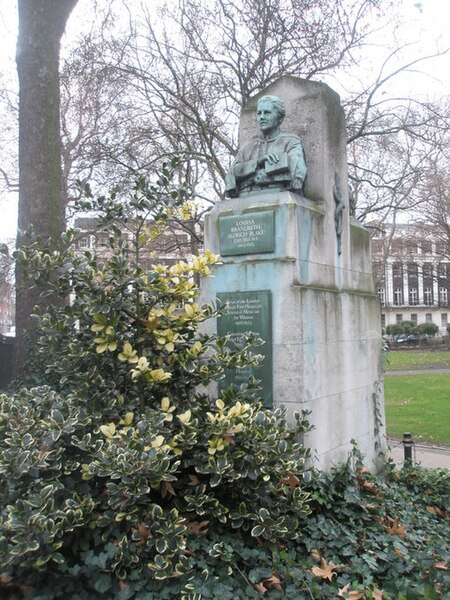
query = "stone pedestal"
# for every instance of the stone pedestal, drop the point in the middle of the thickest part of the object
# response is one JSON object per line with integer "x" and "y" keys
{"x": 323, "y": 347}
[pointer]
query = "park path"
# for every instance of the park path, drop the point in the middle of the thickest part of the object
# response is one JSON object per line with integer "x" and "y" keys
{"x": 424, "y": 455}
{"x": 417, "y": 372}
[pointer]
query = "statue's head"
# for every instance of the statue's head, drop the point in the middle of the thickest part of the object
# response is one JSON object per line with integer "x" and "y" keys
{"x": 270, "y": 113}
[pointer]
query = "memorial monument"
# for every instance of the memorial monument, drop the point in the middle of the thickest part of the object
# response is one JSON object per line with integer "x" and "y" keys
{"x": 296, "y": 269}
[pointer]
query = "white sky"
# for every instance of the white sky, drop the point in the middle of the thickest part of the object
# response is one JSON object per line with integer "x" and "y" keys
{"x": 429, "y": 28}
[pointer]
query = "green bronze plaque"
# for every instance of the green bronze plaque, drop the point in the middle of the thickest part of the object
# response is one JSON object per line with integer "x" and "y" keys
{"x": 249, "y": 311}
{"x": 250, "y": 233}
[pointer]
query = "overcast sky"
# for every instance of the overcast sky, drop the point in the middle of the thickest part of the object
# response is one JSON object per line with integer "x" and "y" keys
{"x": 429, "y": 28}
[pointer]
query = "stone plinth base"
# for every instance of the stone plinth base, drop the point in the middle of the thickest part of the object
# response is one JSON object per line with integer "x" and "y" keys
{"x": 325, "y": 317}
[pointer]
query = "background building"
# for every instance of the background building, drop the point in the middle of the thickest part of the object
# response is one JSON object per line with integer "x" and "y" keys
{"x": 412, "y": 275}
{"x": 177, "y": 240}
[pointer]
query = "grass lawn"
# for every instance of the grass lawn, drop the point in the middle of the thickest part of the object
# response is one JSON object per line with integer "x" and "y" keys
{"x": 419, "y": 404}
{"x": 410, "y": 360}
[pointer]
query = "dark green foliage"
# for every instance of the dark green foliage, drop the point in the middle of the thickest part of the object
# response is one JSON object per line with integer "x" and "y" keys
{"x": 411, "y": 329}
{"x": 109, "y": 469}
{"x": 427, "y": 328}
{"x": 122, "y": 476}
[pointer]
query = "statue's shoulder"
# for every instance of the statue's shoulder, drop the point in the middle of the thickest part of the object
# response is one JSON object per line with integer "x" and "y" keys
{"x": 289, "y": 137}
{"x": 252, "y": 141}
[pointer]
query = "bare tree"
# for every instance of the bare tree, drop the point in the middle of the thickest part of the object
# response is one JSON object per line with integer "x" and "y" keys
{"x": 9, "y": 181}
{"x": 196, "y": 63}
{"x": 435, "y": 219}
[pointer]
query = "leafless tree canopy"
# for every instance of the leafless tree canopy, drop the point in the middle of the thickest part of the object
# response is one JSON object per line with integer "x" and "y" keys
{"x": 171, "y": 80}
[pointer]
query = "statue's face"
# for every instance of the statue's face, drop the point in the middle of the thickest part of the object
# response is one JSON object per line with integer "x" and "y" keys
{"x": 267, "y": 117}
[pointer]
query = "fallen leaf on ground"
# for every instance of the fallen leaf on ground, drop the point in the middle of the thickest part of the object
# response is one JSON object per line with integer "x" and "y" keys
{"x": 442, "y": 565}
{"x": 438, "y": 512}
{"x": 272, "y": 582}
{"x": 315, "y": 554}
{"x": 325, "y": 571}
{"x": 198, "y": 527}
{"x": 352, "y": 595}
{"x": 291, "y": 480}
{"x": 167, "y": 488}
{"x": 395, "y": 528}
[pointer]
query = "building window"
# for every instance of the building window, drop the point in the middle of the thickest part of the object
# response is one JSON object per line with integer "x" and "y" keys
{"x": 414, "y": 318}
{"x": 444, "y": 320}
{"x": 398, "y": 296}
{"x": 398, "y": 318}
{"x": 383, "y": 320}
{"x": 428, "y": 296}
{"x": 382, "y": 295}
{"x": 397, "y": 270}
{"x": 441, "y": 248}
{"x": 425, "y": 246}
{"x": 428, "y": 318}
{"x": 397, "y": 246}
{"x": 84, "y": 242}
{"x": 443, "y": 270}
{"x": 413, "y": 296}
{"x": 411, "y": 246}
{"x": 427, "y": 270}
{"x": 102, "y": 241}
{"x": 443, "y": 296}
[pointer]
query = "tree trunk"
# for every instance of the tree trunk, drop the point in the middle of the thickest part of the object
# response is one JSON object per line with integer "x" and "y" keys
{"x": 41, "y": 205}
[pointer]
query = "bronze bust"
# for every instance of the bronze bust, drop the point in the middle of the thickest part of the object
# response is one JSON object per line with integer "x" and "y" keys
{"x": 273, "y": 161}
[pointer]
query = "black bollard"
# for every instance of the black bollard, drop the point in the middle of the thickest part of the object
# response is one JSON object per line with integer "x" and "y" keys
{"x": 407, "y": 447}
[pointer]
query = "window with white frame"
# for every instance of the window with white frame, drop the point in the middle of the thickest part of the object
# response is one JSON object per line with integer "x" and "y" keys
{"x": 428, "y": 296}
{"x": 443, "y": 296}
{"x": 382, "y": 295}
{"x": 442, "y": 270}
{"x": 84, "y": 242}
{"x": 413, "y": 298}
{"x": 444, "y": 320}
{"x": 398, "y": 296}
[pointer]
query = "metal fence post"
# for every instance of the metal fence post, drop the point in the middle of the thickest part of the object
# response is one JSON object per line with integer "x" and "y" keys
{"x": 407, "y": 447}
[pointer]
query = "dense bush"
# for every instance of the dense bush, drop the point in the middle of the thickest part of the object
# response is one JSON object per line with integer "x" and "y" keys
{"x": 123, "y": 476}
{"x": 121, "y": 455}
{"x": 409, "y": 328}
{"x": 402, "y": 328}
{"x": 427, "y": 329}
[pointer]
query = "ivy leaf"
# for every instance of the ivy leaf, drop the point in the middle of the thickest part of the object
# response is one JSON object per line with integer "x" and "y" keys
{"x": 325, "y": 571}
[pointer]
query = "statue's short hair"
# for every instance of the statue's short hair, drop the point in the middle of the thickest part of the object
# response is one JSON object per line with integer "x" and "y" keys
{"x": 277, "y": 104}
